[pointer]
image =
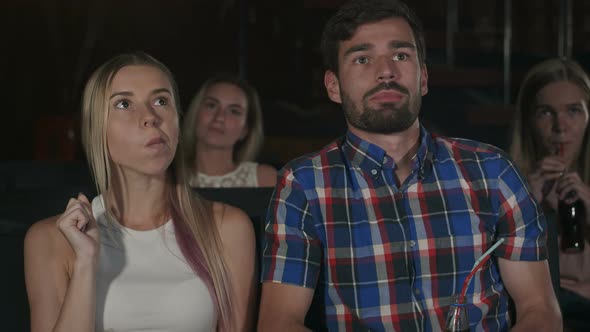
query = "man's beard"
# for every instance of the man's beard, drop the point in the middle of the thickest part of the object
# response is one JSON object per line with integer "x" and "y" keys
{"x": 387, "y": 118}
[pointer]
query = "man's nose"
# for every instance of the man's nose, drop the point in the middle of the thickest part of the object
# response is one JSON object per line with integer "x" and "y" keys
{"x": 386, "y": 69}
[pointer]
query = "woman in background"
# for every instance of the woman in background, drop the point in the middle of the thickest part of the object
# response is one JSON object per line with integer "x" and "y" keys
{"x": 550, "y": 143}
{"x": 222, "y": 134}
{"x": 145, "y": 254}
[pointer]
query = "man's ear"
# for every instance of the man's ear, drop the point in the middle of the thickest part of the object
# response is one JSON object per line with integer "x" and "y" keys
{"x": 424, "y": 80}
{"x": 332, "y": 86}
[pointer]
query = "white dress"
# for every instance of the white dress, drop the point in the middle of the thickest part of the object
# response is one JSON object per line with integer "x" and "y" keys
{"x": 145, "y": 284}
{"x": 245, "y": 175}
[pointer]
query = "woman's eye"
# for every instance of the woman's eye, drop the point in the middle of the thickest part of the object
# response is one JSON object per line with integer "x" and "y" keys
{"x": 209, "y": 105}
{"x": 362, "y": 60}
{"x": 122, "y": 104}
{"x": 544, "y": 113}
{"x": 161, "y": 101}
{"x": 236, "y": 111}
{"x": 574, "y": 110}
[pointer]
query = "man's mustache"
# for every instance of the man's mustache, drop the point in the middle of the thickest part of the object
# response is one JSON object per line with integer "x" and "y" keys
{"x": 386, "y": 86}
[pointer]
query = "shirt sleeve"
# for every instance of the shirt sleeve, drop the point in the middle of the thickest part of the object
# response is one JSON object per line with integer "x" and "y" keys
{"x": 292, "y": 251}
{"x": 521, "y": 222}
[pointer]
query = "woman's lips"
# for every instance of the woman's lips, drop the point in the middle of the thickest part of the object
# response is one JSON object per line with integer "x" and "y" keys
{"x": 216, "y": 130}
{"x": 156, "y": 141}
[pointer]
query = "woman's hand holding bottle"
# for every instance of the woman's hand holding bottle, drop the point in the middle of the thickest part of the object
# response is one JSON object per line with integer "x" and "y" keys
{"x": 571, "y": 188}
{"x": 543, "y": 179}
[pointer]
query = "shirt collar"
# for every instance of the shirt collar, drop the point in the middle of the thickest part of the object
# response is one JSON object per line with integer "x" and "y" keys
{"x": 369, "y": 157}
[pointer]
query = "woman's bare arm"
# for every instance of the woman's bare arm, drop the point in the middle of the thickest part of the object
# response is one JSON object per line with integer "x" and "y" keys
{"x": 239, "y": 247}
{"x": 60, "y": 270}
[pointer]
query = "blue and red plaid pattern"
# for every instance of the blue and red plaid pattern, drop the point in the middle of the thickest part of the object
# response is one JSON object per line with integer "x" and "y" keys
{"x": 391, "y": 257}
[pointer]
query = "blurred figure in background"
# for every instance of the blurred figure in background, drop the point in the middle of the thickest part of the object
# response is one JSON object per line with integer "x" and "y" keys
{"x": 222, "y": 134}
{"x": 145, "y": 254}
{"x": 550, "y": 145}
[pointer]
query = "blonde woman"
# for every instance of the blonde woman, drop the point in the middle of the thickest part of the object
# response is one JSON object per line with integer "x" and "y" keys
{"x": 145, "y": 254}
{"x": 222, "y": 133}
{"x": 550, "y": 143}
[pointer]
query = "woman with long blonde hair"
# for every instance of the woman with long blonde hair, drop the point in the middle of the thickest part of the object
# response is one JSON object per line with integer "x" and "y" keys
{"x": 145, "y": 254}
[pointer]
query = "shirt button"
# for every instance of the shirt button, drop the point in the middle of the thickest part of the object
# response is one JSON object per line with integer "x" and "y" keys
{"x": 374, "y": 171}
{"x": 417, "y": 291}
{"x": 412, "y": 243}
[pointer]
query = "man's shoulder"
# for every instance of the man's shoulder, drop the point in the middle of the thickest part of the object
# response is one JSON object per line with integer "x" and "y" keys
{"x": 463, "y": 147}
{"x": 326, "y": 156}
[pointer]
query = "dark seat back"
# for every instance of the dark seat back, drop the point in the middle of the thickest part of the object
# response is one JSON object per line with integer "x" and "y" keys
{"x": 30, "y": 191}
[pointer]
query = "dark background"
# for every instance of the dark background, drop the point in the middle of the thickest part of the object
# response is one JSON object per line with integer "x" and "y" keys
{"x": 50, "y": 47}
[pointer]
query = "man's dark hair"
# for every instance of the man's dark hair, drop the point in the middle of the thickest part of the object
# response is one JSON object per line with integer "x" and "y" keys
{"x": 354, "y": 13}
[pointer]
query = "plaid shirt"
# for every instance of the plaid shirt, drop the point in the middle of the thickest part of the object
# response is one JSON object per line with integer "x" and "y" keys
{"x": 389, "y": 258}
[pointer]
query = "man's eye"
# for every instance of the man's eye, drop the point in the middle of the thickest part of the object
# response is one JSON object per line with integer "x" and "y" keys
{"x": 400, "y": 56}
{"x": 161, "y": 101}
{"x": 362, "y": 60}
{"x": 574, "y": 110}
{"x": 122, "y": 104}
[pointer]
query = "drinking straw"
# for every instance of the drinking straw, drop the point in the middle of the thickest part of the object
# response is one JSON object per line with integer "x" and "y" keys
{"x": 476, "y": 266}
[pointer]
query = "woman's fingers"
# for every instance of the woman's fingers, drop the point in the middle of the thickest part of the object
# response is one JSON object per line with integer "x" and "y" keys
{"x": 91, "y": 227}
{"x": 87, "y": 207}
{"x": 570, "y": 188}
{"x": 75, "y": 223}
{"x": 551, "y": 164}
{"x": 74, "y": 215}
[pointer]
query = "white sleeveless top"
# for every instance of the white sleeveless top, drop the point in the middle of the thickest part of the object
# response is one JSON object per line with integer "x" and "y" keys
{"x": 144, "y": 283}
{"x": 245, "y": 175}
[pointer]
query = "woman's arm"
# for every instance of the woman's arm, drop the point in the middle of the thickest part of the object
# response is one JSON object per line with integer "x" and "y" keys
{"x": 267, "y": 175}
{"x": 239, "y": 247}
{"x": 60, "y": 270}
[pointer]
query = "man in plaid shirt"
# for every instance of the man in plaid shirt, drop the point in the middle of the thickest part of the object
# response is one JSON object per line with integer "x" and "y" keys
{"x": 388, "y": 221}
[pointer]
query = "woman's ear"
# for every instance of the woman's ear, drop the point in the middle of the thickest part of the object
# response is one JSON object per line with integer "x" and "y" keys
{"x": 332, "y": 86}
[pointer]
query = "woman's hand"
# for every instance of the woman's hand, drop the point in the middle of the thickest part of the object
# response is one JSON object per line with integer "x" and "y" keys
{"x": 542, "y": 179}
{"x": 79, "y": 227}
{"x": 571, "y": 188}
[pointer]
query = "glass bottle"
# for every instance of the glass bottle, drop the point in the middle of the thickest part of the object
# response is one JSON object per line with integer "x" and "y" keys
{"x": 457, "y": 320}
{"x": 572, "y": 218}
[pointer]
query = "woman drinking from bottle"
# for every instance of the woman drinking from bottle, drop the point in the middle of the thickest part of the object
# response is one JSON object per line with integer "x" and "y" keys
{"x": 550, "y": 144}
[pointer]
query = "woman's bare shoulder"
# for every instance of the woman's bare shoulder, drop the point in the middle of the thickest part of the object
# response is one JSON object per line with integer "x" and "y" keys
{"x": 225, "y": 213}
{"x": 267, "y": 175}
{"x": 44, "y": 229}
{"x": 231, "y": 220}
{"x": 44, "y": 238}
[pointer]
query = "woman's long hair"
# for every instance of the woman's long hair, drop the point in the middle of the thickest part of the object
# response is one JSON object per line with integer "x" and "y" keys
{"x": 523, "y": 148}
{"x": 196, "y": 231}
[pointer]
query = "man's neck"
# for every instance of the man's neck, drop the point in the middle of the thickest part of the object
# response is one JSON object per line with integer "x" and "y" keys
{"x": 401, "y": 146}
